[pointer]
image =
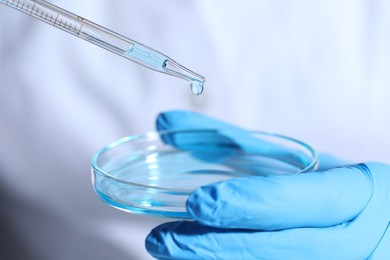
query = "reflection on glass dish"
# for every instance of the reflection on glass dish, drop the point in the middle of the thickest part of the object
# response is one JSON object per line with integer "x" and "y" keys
{"x": 154, "y": 173}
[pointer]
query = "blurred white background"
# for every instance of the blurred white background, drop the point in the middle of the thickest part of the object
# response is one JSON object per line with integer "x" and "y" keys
{"x": 317, "y": 71}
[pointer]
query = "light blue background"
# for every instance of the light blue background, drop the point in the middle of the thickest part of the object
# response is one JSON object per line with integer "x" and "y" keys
{"x": 314, "y": 70}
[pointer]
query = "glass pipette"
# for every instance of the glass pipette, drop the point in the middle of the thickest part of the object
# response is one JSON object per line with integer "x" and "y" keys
{"x": 109, "y": 40}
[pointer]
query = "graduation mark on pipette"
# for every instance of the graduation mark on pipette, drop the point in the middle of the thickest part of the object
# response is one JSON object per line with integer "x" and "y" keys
{"x": 107, "y": 39}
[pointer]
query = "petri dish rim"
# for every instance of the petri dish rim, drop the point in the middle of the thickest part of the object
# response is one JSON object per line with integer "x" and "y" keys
{"x": 154, "y": 134}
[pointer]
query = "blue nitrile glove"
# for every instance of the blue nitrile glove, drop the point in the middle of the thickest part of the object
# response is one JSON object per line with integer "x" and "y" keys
{"x": 339, "y": 213}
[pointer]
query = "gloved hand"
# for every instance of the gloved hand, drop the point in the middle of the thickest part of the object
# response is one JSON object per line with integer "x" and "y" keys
{"x": 335, "y": 213}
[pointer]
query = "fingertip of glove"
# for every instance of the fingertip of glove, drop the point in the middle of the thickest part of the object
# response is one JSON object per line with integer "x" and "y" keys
{"x": 153, "y": 242}
{"x": 164, "y": 120}
{"x": 202, "y": 204}
{"x": 173, "y": 119}
{"x": 158, "y": 243}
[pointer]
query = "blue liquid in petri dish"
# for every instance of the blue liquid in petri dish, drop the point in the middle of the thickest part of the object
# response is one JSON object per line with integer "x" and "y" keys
{"x": 154, "y": 173}
{"x": 159, "y": 183}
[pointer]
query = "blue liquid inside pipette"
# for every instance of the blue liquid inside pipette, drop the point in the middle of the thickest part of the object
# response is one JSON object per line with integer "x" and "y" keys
{"x": 157, "y": 61}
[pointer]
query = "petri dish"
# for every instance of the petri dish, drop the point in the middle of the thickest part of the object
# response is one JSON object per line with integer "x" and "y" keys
{"x": 153, "y": 173}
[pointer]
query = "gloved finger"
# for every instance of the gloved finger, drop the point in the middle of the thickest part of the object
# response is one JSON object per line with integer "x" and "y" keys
{"x": 227, "y": 139}
{"x": 382, "y": 250}
{"x": 353, "y": 239}
{"x": 190, "y": 240}
{"x": 328, "y": 161}
{"x": 180, "y": 119}
{"x": 216, "y": 134}
{"x": 317, "y": 199}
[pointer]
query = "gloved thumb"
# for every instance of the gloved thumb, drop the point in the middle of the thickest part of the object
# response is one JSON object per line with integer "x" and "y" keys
{"x": 317, "y": 199}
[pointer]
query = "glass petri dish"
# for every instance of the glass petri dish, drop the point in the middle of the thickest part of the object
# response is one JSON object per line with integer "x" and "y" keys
{"x": 153, "y": 173}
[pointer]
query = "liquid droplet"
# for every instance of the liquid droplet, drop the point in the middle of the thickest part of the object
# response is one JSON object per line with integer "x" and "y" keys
{"x": 196, "y": 87}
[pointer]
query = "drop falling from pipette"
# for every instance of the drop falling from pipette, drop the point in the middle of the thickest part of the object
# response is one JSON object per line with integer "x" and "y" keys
{"x": 196, "y": 87}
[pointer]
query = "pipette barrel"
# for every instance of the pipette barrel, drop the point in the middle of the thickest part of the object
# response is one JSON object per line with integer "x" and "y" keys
{"x": 103, "y": 37}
